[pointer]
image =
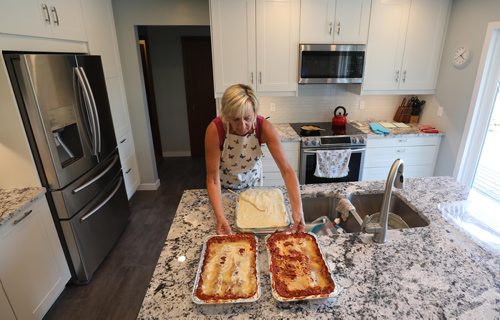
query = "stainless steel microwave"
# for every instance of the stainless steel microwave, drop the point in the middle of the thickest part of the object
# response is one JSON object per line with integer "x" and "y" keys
{"x": 329, "y": 63}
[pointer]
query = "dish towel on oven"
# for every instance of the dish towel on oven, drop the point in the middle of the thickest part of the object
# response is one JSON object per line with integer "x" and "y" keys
{"x": 332, "y": 163}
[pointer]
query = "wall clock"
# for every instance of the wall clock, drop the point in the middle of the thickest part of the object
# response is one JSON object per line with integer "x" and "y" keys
{"x": 461, "y": 55}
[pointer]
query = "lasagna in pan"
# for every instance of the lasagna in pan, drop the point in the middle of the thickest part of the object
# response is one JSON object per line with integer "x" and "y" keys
{"x": 261, "y": 208}
{"x": 298, "y": 270}
{"x": 229, "y": 269}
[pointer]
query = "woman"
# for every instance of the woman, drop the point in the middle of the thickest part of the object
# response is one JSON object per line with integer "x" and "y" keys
{"x": 233, "y": 153}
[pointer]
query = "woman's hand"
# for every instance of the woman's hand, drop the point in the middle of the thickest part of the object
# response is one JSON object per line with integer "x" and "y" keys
{"x": 298, "y": 226}
{"x": 223, "y": 227}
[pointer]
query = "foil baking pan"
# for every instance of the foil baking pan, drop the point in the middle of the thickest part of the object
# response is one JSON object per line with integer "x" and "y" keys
{"x": 254, "y": 298}
{"x": 280, "y": 298}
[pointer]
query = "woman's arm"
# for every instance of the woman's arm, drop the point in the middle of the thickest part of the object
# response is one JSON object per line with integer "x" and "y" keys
{"x": 271, "y": 138}
{"x": 212, "y": 163}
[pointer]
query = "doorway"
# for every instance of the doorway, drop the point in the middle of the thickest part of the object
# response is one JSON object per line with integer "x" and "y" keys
{"x": 197, "y": 60}
{"x": 150, "y": 92}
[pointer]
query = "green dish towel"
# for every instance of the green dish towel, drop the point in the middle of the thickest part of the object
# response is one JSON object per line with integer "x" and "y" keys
{"x": 378, "y": 129}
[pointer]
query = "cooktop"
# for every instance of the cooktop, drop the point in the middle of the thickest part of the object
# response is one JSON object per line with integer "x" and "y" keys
{"x": 326, "y": 129}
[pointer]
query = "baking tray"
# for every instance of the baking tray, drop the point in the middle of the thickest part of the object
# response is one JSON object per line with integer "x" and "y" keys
{"x": 310, "y": 297}
{"x": 254, "y": 298}
{"x": 261, "y": 231}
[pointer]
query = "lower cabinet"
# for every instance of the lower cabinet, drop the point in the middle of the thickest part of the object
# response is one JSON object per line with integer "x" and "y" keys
{"x": 33, "y": 269}
{"x": 272, "y": 174}
{"x": 6, "y": 312}
{"x": 418, "y": 153}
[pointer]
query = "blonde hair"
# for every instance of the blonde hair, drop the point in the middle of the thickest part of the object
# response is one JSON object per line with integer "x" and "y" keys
{"x": 237, "y": 99}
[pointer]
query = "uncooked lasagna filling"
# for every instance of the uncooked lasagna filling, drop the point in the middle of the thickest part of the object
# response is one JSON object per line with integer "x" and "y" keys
{"x": 261, "y": 208}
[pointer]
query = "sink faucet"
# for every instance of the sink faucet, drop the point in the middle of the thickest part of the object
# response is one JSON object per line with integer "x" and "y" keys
{"x": 379, "y": 229}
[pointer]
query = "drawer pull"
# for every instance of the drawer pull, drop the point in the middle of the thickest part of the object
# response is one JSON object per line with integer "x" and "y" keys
{"x": 403, "y": 140}
{"x": 122, "y": 141}
{"x": 27, "y": 213}
{"x": 130, "y": 169}
{"x": 401, "y": 150}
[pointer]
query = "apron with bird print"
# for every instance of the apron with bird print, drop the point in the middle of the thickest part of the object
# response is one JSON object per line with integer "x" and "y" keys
{"x": 241, "y": 163}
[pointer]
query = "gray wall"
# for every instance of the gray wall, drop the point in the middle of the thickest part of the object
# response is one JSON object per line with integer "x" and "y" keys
{"x": 165, "y": 51}
{"x": 131, "y": 13}
{"x": 467, "y": 26}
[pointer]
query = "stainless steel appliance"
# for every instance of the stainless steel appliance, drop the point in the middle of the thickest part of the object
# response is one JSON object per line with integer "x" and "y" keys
{"x": 330, "y": 138}
{"x": 64, "y": 106}
{"x": 329, "y": 63}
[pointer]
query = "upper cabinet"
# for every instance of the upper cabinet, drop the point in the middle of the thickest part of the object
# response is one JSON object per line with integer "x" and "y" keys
{"x": 404, "y": 46}
{"x": 255, "y": 42}
{"x": 58, "y": 19}
{"x": 334, "y": 21}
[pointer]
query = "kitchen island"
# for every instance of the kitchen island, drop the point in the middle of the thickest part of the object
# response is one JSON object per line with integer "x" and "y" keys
{"x": 433, "y": 272}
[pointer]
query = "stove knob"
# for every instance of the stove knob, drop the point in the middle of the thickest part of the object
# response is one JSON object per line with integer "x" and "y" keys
{"x": 361, "y": 140}
{"x": 306, "y": 142}
{"x": 315, "y": 142}
{"x": 354, "y": 140}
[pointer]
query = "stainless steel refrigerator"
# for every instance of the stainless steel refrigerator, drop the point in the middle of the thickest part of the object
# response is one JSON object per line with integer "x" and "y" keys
{"x": 64, "y": 105}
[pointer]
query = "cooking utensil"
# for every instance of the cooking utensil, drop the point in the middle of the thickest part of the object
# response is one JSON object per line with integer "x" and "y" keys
{"x": 340, "y": 117}
{"x": 310, "y": 130}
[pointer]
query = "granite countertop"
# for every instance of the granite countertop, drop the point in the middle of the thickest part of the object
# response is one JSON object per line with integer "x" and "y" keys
{"x": 286, "y": 132}
{"x": 434, "y": 272}
{"x": 15, "y": 200}
{"x": 411, "y": 131}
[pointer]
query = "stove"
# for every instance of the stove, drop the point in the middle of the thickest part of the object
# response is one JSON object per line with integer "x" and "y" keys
{"x": 327, "y": 138}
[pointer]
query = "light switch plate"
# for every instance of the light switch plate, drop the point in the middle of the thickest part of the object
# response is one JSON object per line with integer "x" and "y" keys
{"x": 440, "y": 111}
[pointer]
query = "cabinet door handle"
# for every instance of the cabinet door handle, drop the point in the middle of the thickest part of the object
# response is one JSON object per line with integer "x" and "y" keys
{"x": 260, "y": 77}
{"x": 130, "y": 169}
{"x": 27, "y": 213}
{"x": 251, "y": 77}
{"x": 331, "y": 28}
{"x": 397, "y": 76}
{"x": 122, "y": 141}
{"x": 338, "y": 28}
{"x": 46, "y": 12}
{"x": 404, "y": 76}
{"x": 56, "y": 17}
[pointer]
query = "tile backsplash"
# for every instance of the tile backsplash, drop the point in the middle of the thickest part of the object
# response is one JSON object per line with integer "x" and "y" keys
{"x": 317, "y": 102}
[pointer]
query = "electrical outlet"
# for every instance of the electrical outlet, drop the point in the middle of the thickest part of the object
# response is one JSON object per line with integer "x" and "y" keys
{"x": 439, "y": 111}
{"x": 272, "y": 106}
{"x": 362, "y": 104}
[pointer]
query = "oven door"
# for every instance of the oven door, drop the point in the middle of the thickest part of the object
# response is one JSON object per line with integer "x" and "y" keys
{"x": 308, "y": 166}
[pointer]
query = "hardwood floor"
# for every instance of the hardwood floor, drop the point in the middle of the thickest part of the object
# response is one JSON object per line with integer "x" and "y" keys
{"x": 118, "y": 287}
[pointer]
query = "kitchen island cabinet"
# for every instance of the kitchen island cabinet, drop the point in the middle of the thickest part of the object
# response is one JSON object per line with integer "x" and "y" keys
{"x": 430, "y": 272}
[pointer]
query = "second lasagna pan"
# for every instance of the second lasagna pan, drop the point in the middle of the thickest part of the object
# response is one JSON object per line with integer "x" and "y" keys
{"x": 297, "y": 268}
{"x": 228, "y": 271}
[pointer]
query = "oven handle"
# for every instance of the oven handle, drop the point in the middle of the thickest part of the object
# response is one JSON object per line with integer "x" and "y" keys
{"x": 352, "y": 150}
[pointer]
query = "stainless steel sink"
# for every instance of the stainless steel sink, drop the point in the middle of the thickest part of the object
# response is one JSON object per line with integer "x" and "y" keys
{"x": 365, "y": 204}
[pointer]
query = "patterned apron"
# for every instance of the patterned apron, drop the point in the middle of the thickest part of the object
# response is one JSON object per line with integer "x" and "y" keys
{"x": 240, "y": 163}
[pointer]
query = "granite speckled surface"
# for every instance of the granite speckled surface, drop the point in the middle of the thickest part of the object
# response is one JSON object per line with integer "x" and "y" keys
{"x": 13, "y": 201}
{"x": 412, "y": 131}
{"x": 286, "y": 133}
{"x": 435, "y": 272}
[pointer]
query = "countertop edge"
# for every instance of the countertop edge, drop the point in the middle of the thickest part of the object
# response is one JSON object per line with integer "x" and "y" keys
{"x": 36, "y": 193}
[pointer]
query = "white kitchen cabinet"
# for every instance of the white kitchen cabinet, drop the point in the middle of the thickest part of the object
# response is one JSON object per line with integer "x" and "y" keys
{"x": 33, "y": 269}
{"x": 418, "y": 153}
{"x": 6, "y": 312}
{"x": 272, "y": 174}
{"x": 58, "y": 19}
{"x": 255, "y": 42}
{"x": 334, "y": 21}
{"x": 101, "y": 33}
{"x": 404, "y": 47}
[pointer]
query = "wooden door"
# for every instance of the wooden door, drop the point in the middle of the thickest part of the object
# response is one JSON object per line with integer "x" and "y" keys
{"x": 199, "y": 86}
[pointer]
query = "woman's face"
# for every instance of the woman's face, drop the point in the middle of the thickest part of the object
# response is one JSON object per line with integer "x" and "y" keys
{"x": 244, "y": 124}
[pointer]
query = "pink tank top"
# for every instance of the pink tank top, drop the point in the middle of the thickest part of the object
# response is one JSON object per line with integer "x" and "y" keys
{"x": 222, "y": 132}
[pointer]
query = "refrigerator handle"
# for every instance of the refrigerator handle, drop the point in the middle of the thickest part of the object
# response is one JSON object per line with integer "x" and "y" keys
{"x": 94, "y": 107}
{"x": 86, "y": 98}
{"x": 85, "y": 217}
{"x": 88, "y": 183}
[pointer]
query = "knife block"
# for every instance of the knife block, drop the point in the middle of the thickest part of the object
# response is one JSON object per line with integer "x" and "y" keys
{"x": 414, "y": 119}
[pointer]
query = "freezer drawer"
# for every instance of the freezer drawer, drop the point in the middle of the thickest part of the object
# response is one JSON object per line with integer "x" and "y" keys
{"x": 72, "y": 198}
{"x": 91, "y": 234}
